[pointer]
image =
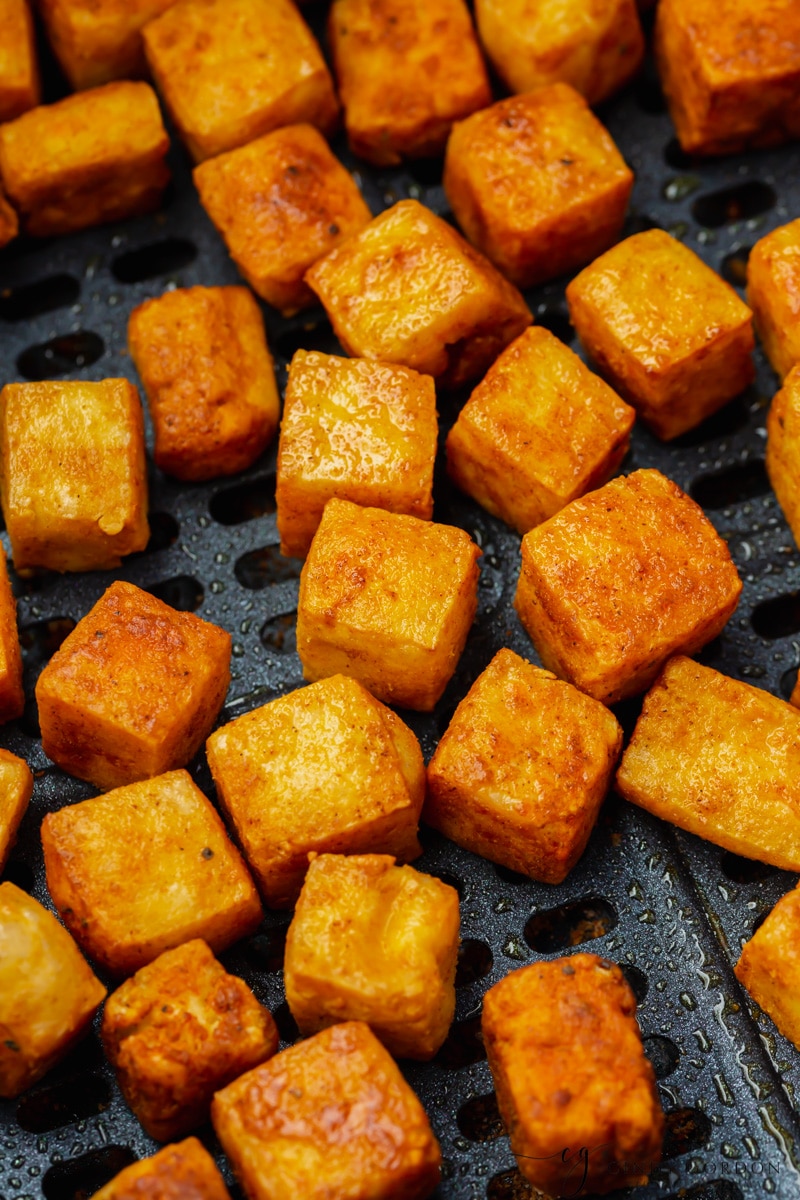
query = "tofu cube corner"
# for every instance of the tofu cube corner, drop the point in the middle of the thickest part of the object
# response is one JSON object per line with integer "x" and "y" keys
{"x": 773, "y": 293}
{"x": 16, "y": 789}
{"x": 99, "y": 41}
{"x": 186, "y": 1170}
{"x": 783, "y": 449}
{"x": 12, "y": 696}
{"x": 769, "y": 965}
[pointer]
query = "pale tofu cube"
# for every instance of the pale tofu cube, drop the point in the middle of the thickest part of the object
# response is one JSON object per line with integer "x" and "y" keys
{"x": 145, "y": 868}
{"x": 327, "y": 768}
{"x": 48, "y": 993}
{"x": 773, "y": 293}
{"x": 16, "y": 789}
{"x": 769, "y": 966}
{"x": 182, "y": 1172}
{"x": 73, "y": 476}
{"x": 783, "y": 449}
{"x": 20, "y": 87}
{"x": 97, "y": 41}
{"x": 12, "y": 697}
{"x": 388, "y": 600}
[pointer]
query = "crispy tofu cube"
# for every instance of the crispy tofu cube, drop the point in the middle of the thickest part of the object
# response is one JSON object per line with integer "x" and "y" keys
{"x": 721, "y": 759}
{"x": 783, "y": 449}
{"x": 358, "y": 430}
{"x": 406, "y": 70}
{"x": 94, "y": 157}
{"x": 388, "y": 600}
{"x": 619, "y": 581}
{"x": 48, "y": 993}
{"x": 374, "y": 942}
{"x": 16, "y": 789}
{"x": 594, "y": 45}
{"x": 134, "y": 690}
{"x": 669, "y": 335}
{"x": 537, "y": 432}
{"x": 730, "y": 71}
{"x": 408, "y": 289}
{"x": 331, "y": 1116}
{"x": 12, "y": 697}
{"x": 20, "y": 88}
{"x": 143, "y": 869}
{"x": 177, "y": 1032}
{"x": 521, "y": 772}
{"x": 574, "y": 1088}
{"x": 327, "y": 768}
{"x": 182, "y": 1172}
{"x": 207, "y": 371}
{"x": 9, "y": 222}
{"x": 281, "y": 203}
{"x": 769, "y": 966}
{"x": 231, "y": 70}
{"x": 537, "y": 184}
{"x": 97, "y": 41}
{"x": 773, "y": 293}
{"x": 73, "y": 476}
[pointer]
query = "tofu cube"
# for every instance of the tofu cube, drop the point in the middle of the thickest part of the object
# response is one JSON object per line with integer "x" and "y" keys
{"x": 406, "y": 70}
{"x": 408, "y": 289}
{"x": 16, "y": 789}
{"x": 669, "y": 335}
{"x": 537, "y": 184}
{"x": 182, "y": 1172}
{"x": 718, "y": 758}
{"x": 358, "y": 430}
{"x": 773, "y": 293}
{"x": 331, "y": 1116}
{"x": 97, "y": 41}
{"x": 48, "y": 993}
{"x": 730, "y": 72}
{"x": 20, "y": 88}
{"x": 12, "y": 697}
{"x": 521, "y": 772}
{"x": 374, "y": 942}
{"x": 783, "y": 449}
{"x": 281, "y": 203}
{"x": 594, "y": 45}
{"x": 207, "y": 371}
{"x": 73, "y": 475}
{"x": 769, "y": 966}
{"x": 619, "y": 581}
{"x": 231, "y": 70}
{"x": 388, "y": 600}
{"x": 570, "y": 1071}
{"x": 9, "y": 222}
{"x": 537, "y": 432}
{"x": 94, "y": 157}
{"x": 134, "y": 690}
{"x": 145, "y": 868}
{"x": 177, "y": 1032}
{"x": 327, "y": 768}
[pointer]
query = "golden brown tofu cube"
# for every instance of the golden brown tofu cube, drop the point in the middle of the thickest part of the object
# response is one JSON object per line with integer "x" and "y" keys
{"x": 177, "y": 1032}
{"x": 331, "y": 1116}
{"x": 207, "y": 372}
{"x": 9, "y": 222}
{"x": 773, "y": 293}
{"x": 721, "y": 759}
{"x": 537, "y": 432}
{"x": 358, "y": 430}
{"x": 182, "y": 1172}
{"x": 48, "y": 993}
{"x": 281, "y": 203}
{"x": 619, "y": 581}
{"x": 16, "y": 789}
{"x": 231, "y": 70}
{"x": 406, "y": 70}
{"x": 97, "y": 41}
{"x": 783, "y": 449}
{"x": 574, "y": 1088}
{"x": 145, "y": 868}
{"x": 388, "y": 600}
{"x": 73, "y": 476}
{"x": 12, "y": 697}
{"x": 537, "y": 184}
{"x": 408, "y": 289}
{"x": 730, "y": 72}
{"x": 669, "y": 335}
{"x": 521, "y": 772}
{"x": 19, "y": 72}
{"x": 769, "y": 966}
{"x": 134, "y": 690}
{"x": 327, "y": 768}
{"x": 94, "y": 157}
{"x": 594, "y": 45}
{"x": 374, "y": 942}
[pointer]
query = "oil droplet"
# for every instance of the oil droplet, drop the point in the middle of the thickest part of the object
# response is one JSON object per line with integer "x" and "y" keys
{"x": 680, "y": 187}
{"x": 687, "y": 1001}
{"x": 237, "y": 650}
{"x": 217, "y": 586}
{"x": 723, "y": 1091}
{"x": 513, "y": 948}
{"x": 702, "y": 1041}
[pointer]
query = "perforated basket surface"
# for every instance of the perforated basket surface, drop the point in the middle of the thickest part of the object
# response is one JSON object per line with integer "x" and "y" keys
{"x": 671, "y": 909}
